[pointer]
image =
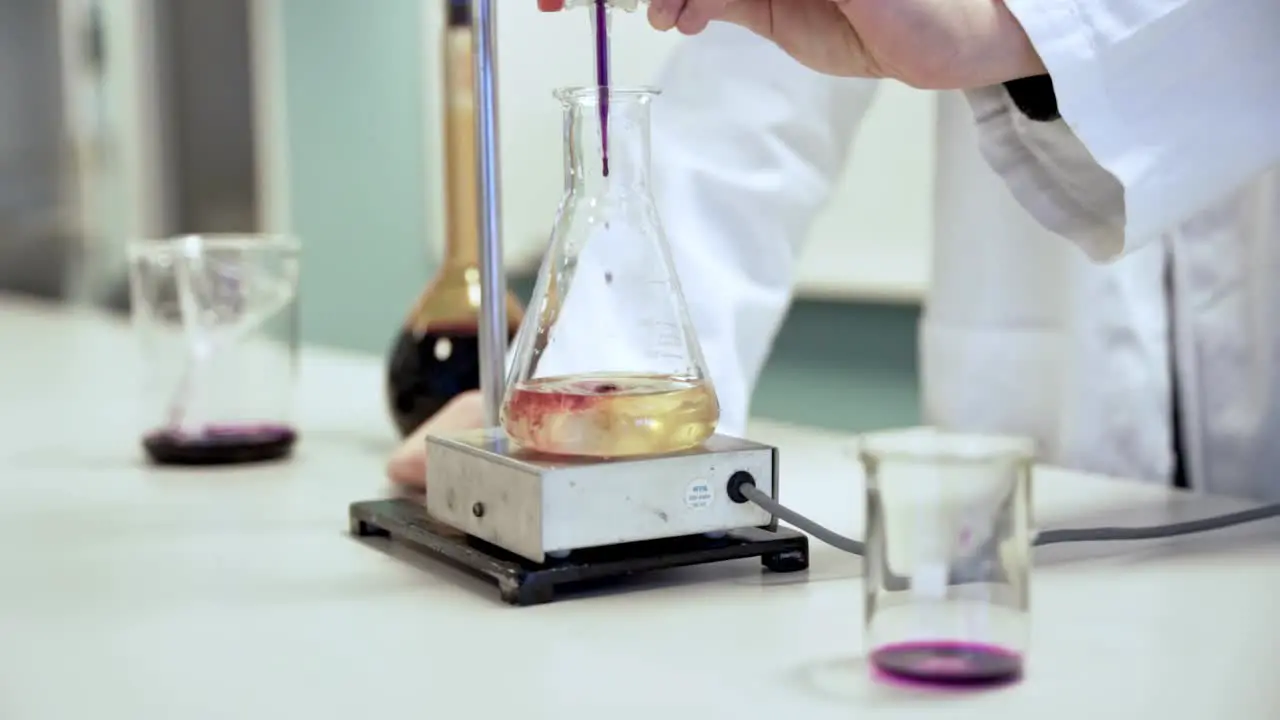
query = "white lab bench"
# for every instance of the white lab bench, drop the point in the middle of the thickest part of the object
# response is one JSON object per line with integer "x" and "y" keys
{"x": 139, "y": 594}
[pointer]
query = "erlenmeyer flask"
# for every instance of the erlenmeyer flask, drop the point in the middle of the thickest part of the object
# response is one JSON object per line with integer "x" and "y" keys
{"x": 606, "y": 363}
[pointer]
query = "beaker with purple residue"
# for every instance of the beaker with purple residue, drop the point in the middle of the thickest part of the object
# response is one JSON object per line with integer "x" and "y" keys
{"x": 217, "y": 321}
{"x": 948, "y": 556}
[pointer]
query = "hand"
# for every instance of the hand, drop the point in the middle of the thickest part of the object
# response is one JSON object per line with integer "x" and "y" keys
{"x": 930, "y": 44}
{"x": 408, "y": 464}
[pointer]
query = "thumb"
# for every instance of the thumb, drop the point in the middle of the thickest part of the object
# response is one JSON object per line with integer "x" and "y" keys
{"x": 754, "y": 15}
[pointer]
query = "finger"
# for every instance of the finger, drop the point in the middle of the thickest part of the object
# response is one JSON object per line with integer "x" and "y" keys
{"x": 408, "y": 464}
{"x": 550, "y": 5}
{"x": 698, "y": 14}
{"x": 754, "y": 15}
{"x": 663, "y": 14}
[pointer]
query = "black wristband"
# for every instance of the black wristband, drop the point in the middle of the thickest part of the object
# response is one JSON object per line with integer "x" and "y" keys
{"x": 1034, "y": 96}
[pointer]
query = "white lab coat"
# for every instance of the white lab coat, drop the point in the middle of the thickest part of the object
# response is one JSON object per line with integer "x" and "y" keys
{"x": 1022, "y": 333}
{"x": 1172, "y": 158}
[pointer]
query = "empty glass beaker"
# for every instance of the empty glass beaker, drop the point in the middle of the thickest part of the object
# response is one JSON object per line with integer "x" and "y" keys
{"x": 948, "y": 555}
{"x": 606, "y": 363}
{"x": 218, "y": 324}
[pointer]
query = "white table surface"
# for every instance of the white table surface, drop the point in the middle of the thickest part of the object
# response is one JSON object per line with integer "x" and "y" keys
{"x": 139, "y": 594}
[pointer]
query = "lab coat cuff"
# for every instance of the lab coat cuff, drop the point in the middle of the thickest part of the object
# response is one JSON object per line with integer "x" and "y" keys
{"x": 1171, "y": 98}
{"x": 1051, "y": 175}
{"x": 1063, "y": 37}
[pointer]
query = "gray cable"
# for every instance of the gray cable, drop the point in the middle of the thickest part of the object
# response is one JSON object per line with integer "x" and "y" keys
{"x": 1048, "y": 537}
{"x": 782, "y": 512}
{"x": 1217, "y": 522}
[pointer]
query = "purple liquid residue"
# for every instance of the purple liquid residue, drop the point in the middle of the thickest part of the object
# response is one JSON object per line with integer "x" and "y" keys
{"x": 602, "y": 79}
{"x": 220, "y": 445}
{"x": 945, "y": 663}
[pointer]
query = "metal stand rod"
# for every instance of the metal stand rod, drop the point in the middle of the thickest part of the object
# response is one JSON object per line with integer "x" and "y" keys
{"x": 493, "y": 279}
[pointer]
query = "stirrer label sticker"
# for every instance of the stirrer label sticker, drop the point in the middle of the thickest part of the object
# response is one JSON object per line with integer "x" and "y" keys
{"x": 699, "y": 494}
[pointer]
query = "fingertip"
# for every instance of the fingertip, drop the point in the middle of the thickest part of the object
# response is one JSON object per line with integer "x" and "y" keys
{"x": 407, "y": 470}
{"x": 694, "y": 17}
{"x": 692, "y": 26}
{"x": 663, "y": 14}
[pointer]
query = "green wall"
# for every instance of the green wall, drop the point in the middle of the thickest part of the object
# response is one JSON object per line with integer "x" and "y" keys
{"x": 354, "y": 108}
{"x": 355, "y": 116}
{"x": 844, "y": 367}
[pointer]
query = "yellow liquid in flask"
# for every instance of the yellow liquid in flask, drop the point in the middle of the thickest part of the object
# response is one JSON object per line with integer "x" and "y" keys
{"x": 611, "y": 415}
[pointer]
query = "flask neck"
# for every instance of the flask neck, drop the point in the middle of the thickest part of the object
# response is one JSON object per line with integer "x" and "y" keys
{"x": 606, "y": 151}
{"x": 461, "y": 191}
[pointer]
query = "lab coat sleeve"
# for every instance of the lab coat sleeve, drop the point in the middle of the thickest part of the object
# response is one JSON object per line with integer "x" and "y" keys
{"x": 1167, "y": 106}
{"x": 747, "y": 146}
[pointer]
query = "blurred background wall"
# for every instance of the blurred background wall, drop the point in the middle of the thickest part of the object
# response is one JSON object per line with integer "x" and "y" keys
{"x": 321, "y": 117}
{"x": 34, "y": 157}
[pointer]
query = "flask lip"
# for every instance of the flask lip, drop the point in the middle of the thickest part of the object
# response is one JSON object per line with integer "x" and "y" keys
{"x": 586, "y": 94}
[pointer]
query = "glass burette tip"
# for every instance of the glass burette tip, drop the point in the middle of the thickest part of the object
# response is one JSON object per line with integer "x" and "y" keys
{"x": 600, "y": 27}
